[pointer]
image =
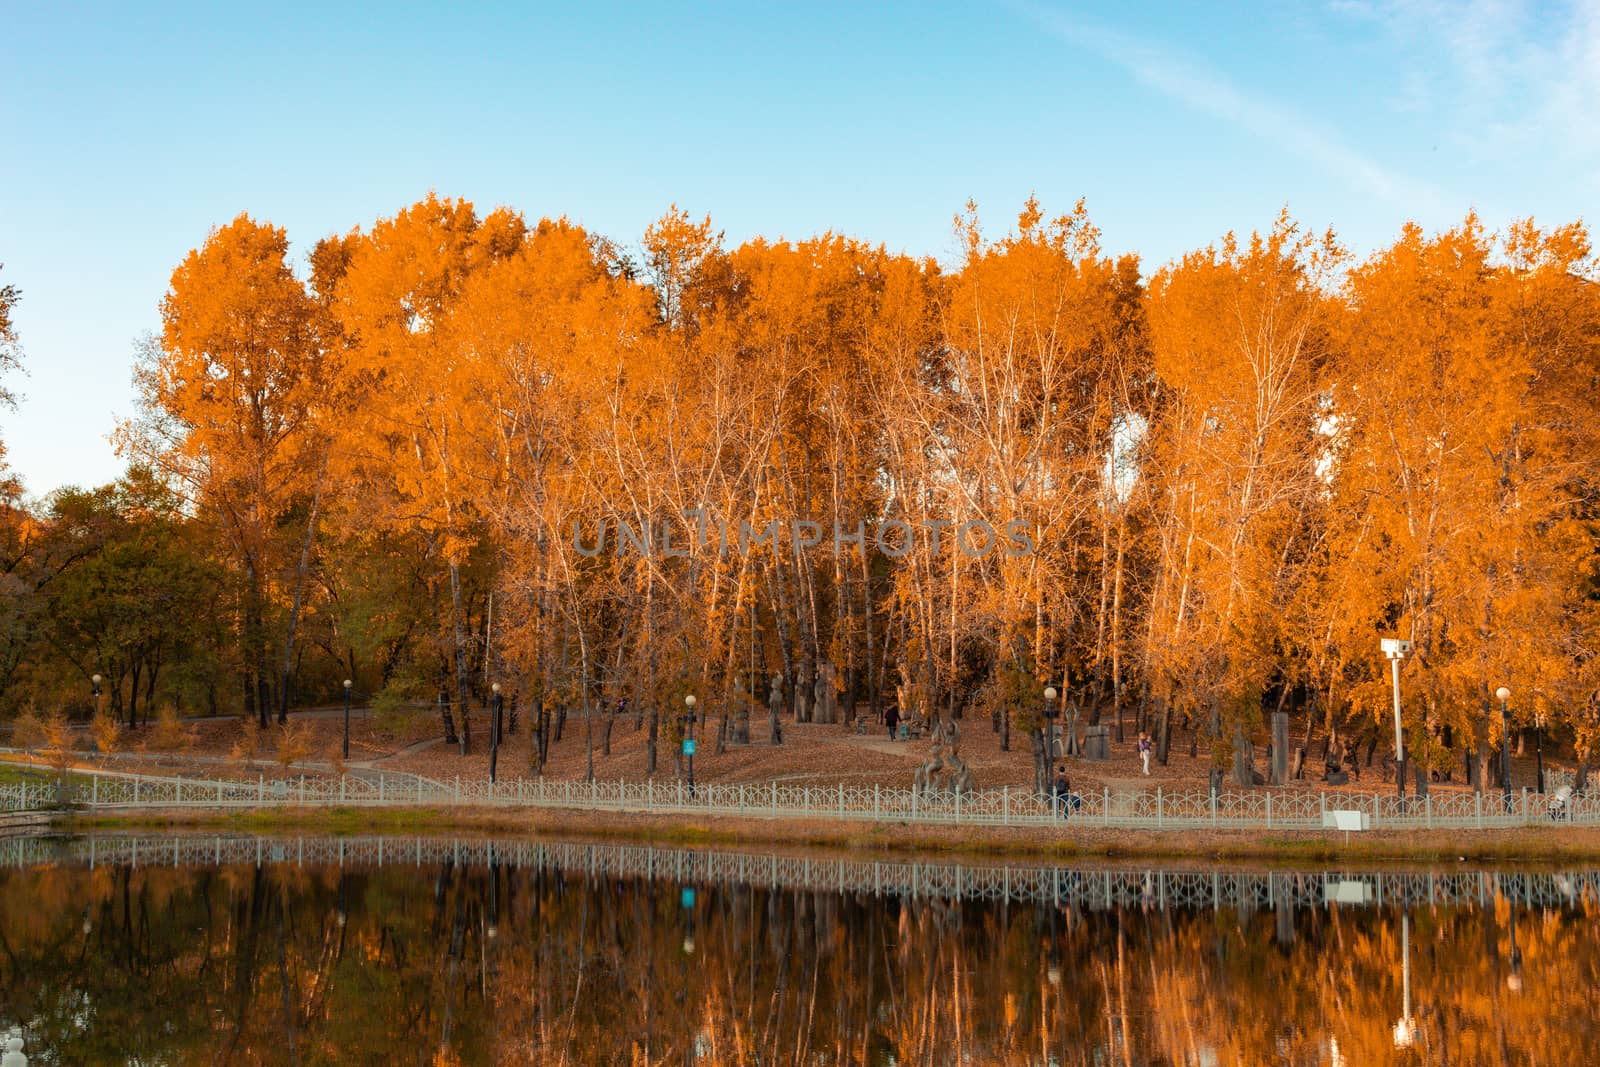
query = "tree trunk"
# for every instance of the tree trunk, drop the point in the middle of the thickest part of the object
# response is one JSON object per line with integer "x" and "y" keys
{"x": 445, "y": 717}
{"x": 294, "y": 608}
{"x": 459, "y": 626}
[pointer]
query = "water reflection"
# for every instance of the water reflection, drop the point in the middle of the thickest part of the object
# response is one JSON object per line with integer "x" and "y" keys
{"x": 244, "y": 950}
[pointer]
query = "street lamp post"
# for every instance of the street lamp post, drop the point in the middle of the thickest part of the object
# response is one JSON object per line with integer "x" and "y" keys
{"x": 1049, "y": 723}
{"x": 1396, "y": 650}
{"x": 1538, "y": 752}
{"x": 688, "y": 737}
{"x": 1505, "y": 742}
{"x": 494, "y": 731}
{"x": 94, "y": 680}
{"x": 347, "y": 684}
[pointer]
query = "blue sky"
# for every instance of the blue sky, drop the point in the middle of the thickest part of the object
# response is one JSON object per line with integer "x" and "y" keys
{"x": 128, "y": 133}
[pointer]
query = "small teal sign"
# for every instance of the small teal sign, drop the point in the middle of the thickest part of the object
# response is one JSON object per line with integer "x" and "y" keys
{"x": 688, "y": 747}
{"x": 688, "y": 896}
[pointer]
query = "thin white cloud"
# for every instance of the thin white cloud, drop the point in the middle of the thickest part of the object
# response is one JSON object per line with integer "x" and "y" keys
{"x": 1506, "y": 80}
{"x": 1186, "y": 81}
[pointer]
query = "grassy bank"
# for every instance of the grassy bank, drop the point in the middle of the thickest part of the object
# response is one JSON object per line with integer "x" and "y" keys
{"x": 982, "y": 844}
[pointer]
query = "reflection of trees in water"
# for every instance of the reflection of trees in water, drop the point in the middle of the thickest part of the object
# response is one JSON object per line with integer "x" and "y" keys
{"x": 279, "y": 964}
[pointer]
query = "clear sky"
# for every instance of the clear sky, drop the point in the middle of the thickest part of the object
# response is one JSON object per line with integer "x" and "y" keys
{"x": 127, "y": 131}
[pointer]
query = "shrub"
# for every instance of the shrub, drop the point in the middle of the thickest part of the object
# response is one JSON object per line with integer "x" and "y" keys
{"x": 170, "y": 735}
{"x": 28, "y": 732}
{"x": 251, "y": 741}
{"x": 294, "y": 745}
{"x": 107, "y": 733}
{"x": 58, "y": 743}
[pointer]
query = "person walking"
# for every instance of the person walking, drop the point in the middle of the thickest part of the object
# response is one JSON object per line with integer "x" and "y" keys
{"x": 891, "y": 719}
{"x": 1060, "y": 789}
{"x": 1144, "y": 752}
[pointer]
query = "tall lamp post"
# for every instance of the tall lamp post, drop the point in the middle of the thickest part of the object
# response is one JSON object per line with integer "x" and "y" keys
{"x": 688, "y": 737}
{"x": 1505, "y": 741}
{"x": 347, "y": 684}
{"x": 94, "y": 679}
{"x": 1049, "y": 723}
{"x": 1538, "y": 751}
{"x": 494, "y": 731}
{"x": 1396, "y": 650}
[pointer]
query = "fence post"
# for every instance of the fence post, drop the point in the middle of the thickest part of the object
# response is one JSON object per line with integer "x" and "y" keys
{"x": 1213, "y": 803}
{"x": 806, "y": 804}
{"x": 1427, "y": 809}
{"x": 1524, "y": 804}
{"x": 1005, "y": 805}
{"x": 649, "y": 793}
{"x": 219, "y": 791}
{"x": 302, "y": 790}
{"x": 179, "y": 799}
{"x": 841, "y": 800}
{"x": 958, "y": 809}
{"x": 341, "y": 789}
{"x": 458, "y": 789}
{"x": 135, "y": 791}
{"x": 1269, "y": 809}
{"x": 913, "y": 805}
{"x": 1322, "y": 806}
{"x": 1377, "y": 803}
{"x": 875, "y": 810}
{"x": 1105, "y": 804}
{"x": 94, "y": 791}
{"x": 261, "y": 788}
{"x": 1477, "y": 803}
{"x": 380, "y": 787}
{"x": 741, "y": 798}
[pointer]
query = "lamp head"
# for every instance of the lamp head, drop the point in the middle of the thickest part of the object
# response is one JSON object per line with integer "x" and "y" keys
{"x": 1503, "y": 694}
{"x": 688, "y": 701}
{"x": 1049, "y": 692}
{"x": 95, "y": 678}
{"x": 347, "y": 684}
{"x": 495, "y": 688}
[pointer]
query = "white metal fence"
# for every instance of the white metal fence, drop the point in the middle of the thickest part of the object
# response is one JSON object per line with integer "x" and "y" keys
{"x": 1087, "y": 887}
{"x": 1156, "y": 809}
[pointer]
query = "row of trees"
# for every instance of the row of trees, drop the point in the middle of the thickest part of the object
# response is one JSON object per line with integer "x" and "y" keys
{"x": 469, "y": 448}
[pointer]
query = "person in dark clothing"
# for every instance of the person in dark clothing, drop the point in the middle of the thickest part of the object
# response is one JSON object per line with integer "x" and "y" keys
{"x": 891, "y": 718}
{"x": 1060, "y": 790}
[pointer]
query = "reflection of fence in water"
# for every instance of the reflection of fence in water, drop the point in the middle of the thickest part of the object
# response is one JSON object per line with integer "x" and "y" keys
{"x": 1089, "y": 888}
{"x": 1156, "y": 809}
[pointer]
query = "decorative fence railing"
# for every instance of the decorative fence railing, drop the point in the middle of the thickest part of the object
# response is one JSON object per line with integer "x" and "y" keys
{"x": 1156, "y": 809}
{"x": 1094, "y": 888}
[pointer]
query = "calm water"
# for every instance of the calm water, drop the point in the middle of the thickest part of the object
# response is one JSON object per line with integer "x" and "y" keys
{"x": 244, "y": 950}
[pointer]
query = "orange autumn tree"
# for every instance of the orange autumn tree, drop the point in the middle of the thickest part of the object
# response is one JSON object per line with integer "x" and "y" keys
{"x": 233, "y": 392}
{"x": 1028, "y": 396}
{"x": 419, "y": 430}
{"x": 1240, "y": 341}
{"x": 1472, "y": 448}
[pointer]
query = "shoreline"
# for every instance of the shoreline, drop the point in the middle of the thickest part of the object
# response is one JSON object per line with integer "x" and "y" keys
{"x": 1509, "y": 845}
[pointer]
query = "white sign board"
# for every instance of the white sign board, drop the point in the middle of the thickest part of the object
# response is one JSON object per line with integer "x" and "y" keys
{"x": 1346, "y": 820}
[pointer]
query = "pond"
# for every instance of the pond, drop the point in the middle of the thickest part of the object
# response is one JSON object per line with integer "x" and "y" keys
{"x": 183, "y": 949}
